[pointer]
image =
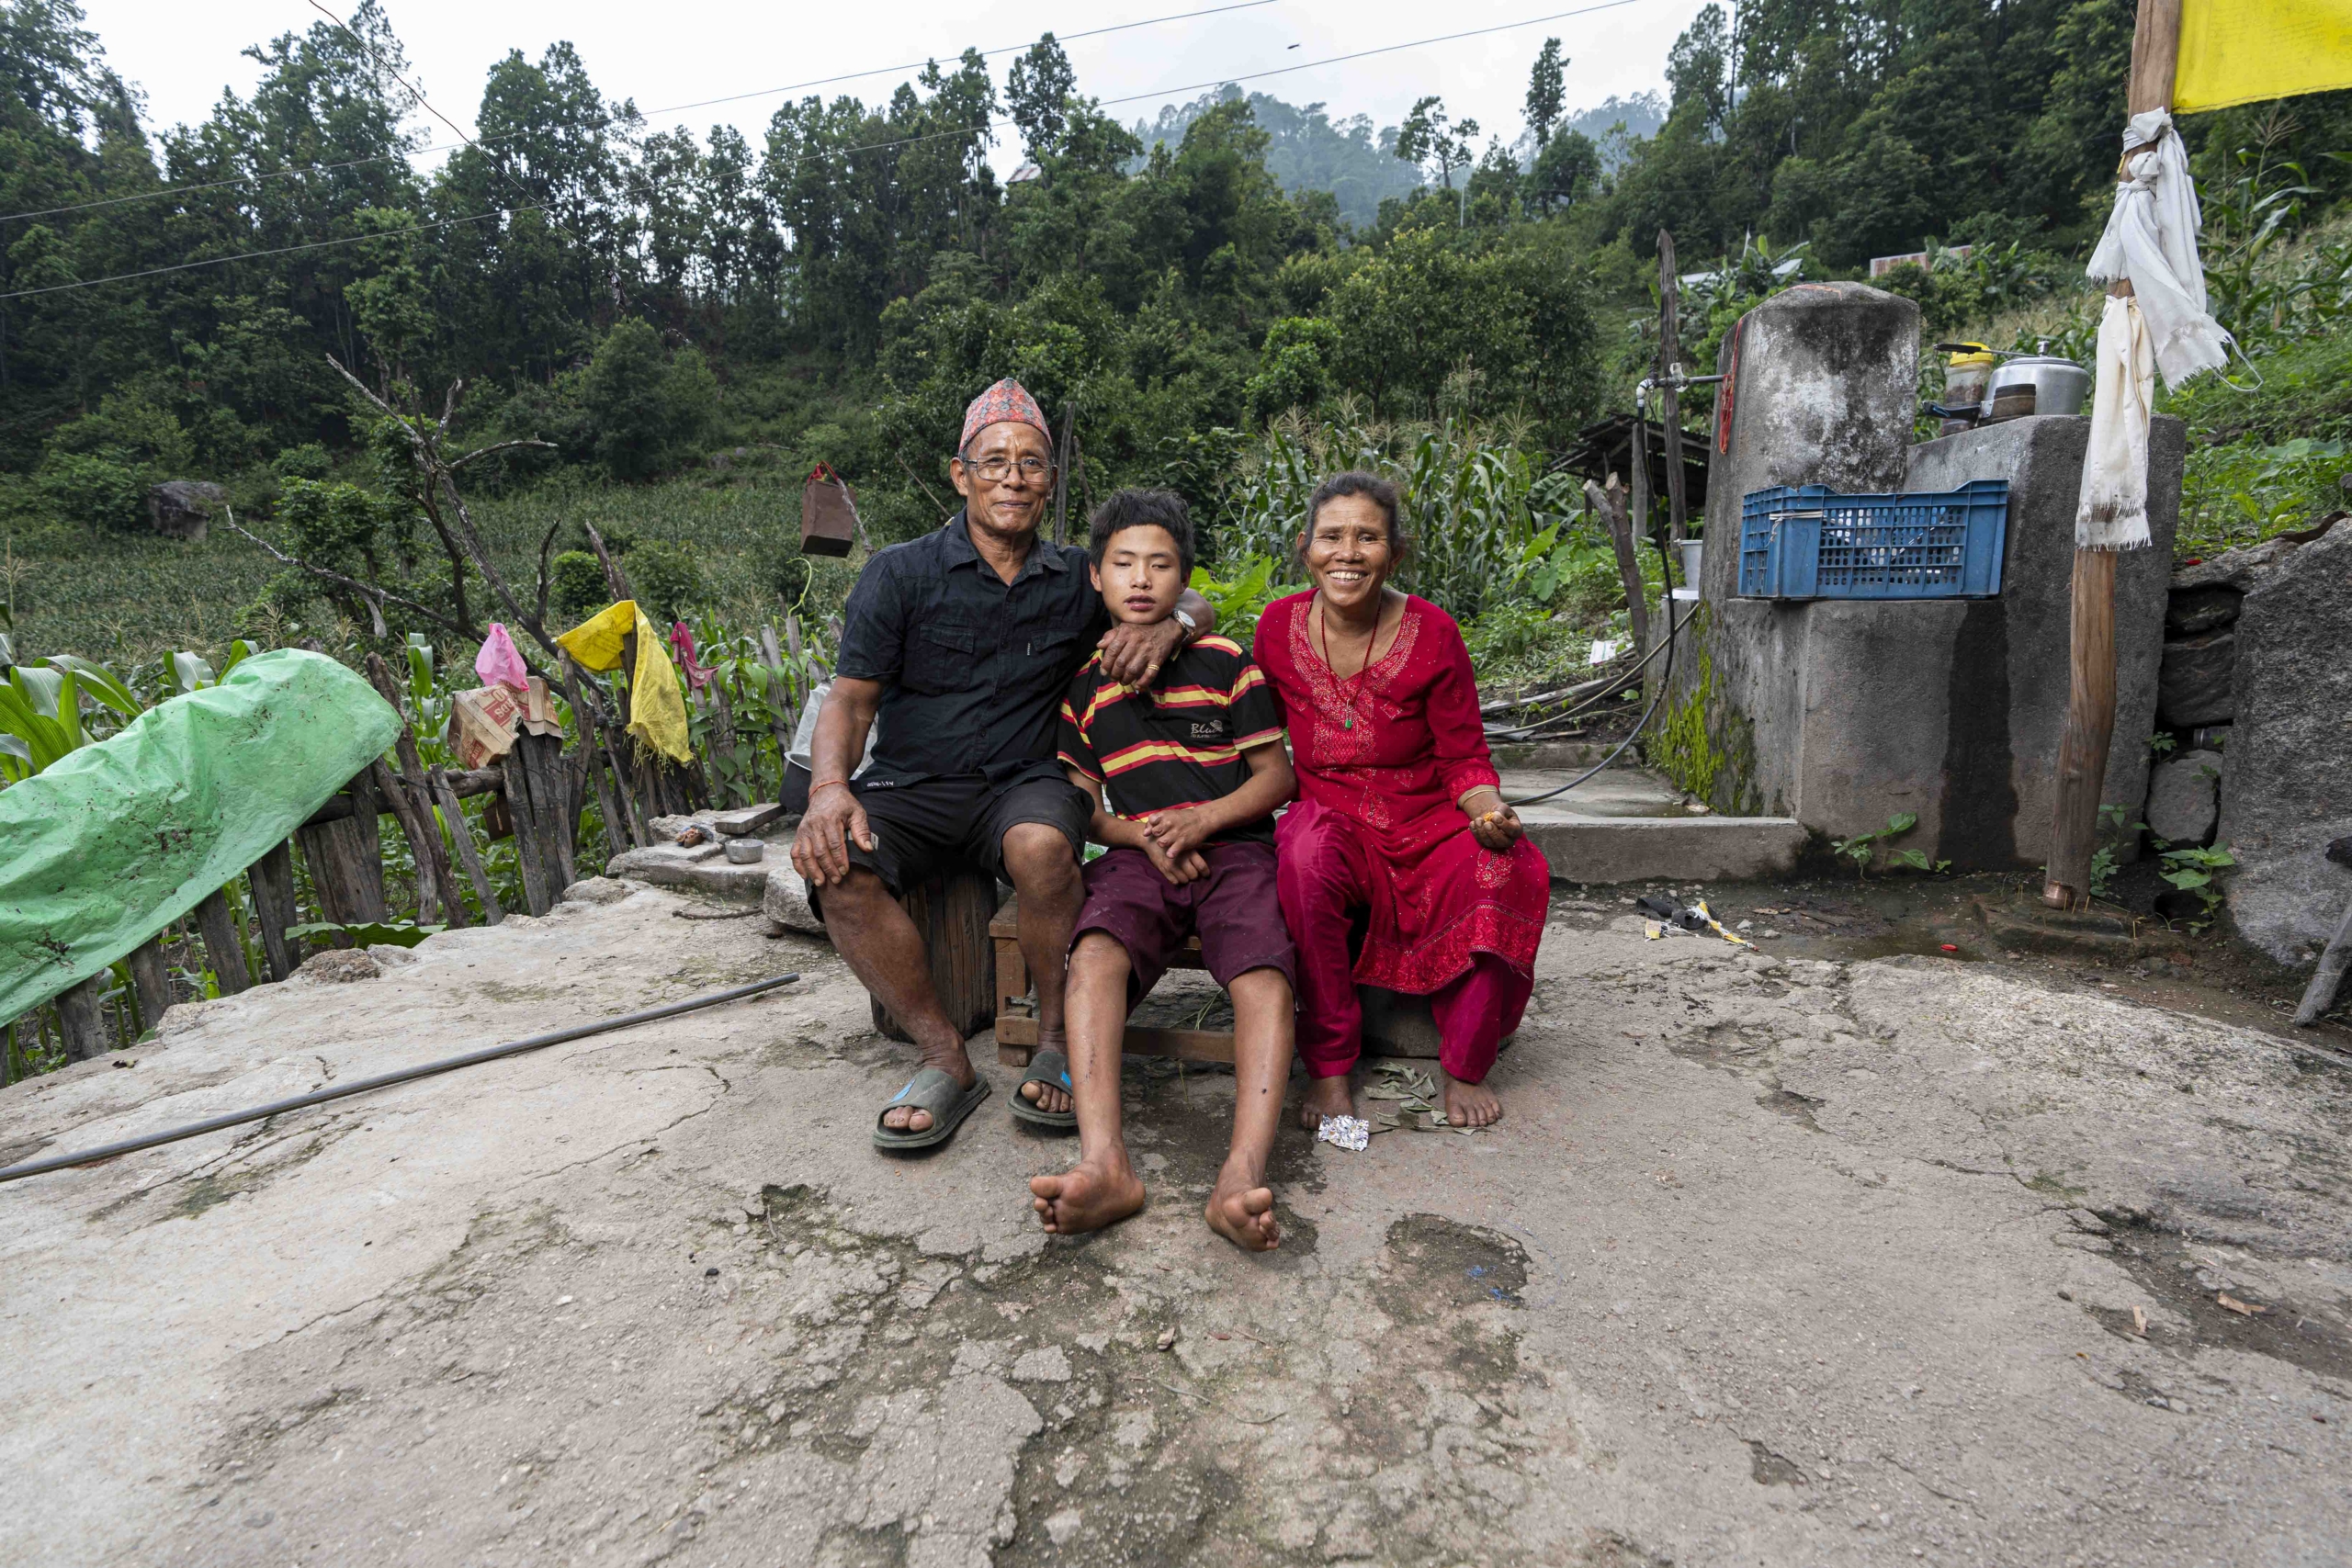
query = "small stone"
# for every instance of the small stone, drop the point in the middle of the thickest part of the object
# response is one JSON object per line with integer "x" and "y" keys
{"x": 1168, "y": 1339}
{"x": 1043, "y": 1365}
{"x": 1060, "y": 1527}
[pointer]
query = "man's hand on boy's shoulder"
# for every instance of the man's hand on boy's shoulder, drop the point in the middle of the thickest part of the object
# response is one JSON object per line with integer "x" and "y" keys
{"x": 1135, "y": 655}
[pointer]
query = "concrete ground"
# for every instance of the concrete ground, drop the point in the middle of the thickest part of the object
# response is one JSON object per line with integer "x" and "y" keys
{"x": 1801, "y": 1263}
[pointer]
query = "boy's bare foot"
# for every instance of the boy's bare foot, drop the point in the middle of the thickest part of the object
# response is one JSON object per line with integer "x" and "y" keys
{"x": 1325, "y": 1097}
{"x": 1086, "y": 1198}
{"x": 1244, "y": 1213}
{"x": 1471, "y": 1104}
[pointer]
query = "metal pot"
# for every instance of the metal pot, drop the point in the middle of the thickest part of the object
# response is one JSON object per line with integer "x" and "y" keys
{"x": 2058, "y": 385}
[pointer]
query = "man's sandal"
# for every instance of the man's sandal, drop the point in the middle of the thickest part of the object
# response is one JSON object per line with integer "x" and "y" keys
{"x": 948, "y": 1101}
{"x": 1051, "y": 1068}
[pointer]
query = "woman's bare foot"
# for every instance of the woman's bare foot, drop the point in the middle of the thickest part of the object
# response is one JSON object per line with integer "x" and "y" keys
{"x": 1087, "y": 1197}
{"x": 1325, "y": 1097}
{"x": 1242, "y": 1212}
{"x": 1471, "y": 1104}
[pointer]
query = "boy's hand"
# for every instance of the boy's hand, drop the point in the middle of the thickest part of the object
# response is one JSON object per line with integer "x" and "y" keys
{"x": 1178, "y": 869}
{"x": 1180, "y": 832}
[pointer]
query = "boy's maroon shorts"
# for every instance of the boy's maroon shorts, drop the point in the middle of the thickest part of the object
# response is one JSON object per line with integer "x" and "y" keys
{"x": 1234, "y": 908}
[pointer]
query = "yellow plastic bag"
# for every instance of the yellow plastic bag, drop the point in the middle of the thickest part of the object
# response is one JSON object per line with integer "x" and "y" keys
{"x": 2244, "y": 51}
{"x": 657, "y": 712}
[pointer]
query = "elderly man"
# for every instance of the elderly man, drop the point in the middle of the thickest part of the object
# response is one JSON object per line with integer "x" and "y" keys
{"x": 962, "y": 642}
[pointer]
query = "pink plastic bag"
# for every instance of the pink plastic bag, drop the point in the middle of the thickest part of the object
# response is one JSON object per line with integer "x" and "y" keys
{"x": 498, "y": 663}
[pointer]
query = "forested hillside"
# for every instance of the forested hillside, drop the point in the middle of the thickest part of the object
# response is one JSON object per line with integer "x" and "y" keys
{"x": 650, "y": 301}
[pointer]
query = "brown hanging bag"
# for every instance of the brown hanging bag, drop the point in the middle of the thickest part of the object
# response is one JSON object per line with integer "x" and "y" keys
{"x": 827, "y": 515}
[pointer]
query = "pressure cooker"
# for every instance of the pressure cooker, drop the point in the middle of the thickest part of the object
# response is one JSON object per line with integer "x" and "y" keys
{"x": 2036, "y": 384}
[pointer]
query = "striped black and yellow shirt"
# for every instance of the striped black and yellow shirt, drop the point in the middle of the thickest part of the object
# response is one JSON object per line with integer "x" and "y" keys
{"x": 1179, "y": 744}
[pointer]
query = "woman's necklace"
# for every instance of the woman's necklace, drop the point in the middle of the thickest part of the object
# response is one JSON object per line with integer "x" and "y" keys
{"x": 1349, "y": 720}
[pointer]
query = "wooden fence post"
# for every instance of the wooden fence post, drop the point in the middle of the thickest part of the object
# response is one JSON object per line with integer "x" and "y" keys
{"x": 1611, "y": 504}
{"x": 1670, "y": 400}
{"x": 454, "y": 814}
{"x": 347, "y": 860}
{"x": 414, "y": 808}
{"x": 540, "y": 802}
{"x": 224, "y": 954}
{"x": 80, "y": 1022}
{"x": 151, "y": 981}
{"x": 272, "y": 881}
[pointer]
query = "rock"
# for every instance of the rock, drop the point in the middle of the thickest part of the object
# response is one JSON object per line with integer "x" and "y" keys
{"x": 786, "y": 902}
{"x": 2290, "y": 751}
{"x": 2191, "y": 612}
{"x": 2185, "y": 798}
{"x": 596, "y": 890}
{"x": 1048, "y": 1364}
{"x": 2196, "y": 683}
{"x": 2240, "y": 570}
{"x": 337, "y": 966}
{"x": 750, "y": 820}
{"x": 182, "y": 509}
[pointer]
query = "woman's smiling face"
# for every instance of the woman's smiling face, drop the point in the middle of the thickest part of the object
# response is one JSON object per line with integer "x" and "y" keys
{"x": 1348, "y": 551}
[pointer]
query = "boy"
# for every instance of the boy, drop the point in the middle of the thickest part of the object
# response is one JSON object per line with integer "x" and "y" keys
{"x": 1195, "y": 769}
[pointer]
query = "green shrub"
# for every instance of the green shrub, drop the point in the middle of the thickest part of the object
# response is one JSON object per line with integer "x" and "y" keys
{"x": 576, "y": 583}
{"x": 668, "y": 581}
{"x": 96, "y": 490}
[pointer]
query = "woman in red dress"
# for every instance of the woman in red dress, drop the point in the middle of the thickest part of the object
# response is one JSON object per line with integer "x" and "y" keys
{"x": 1399, "y": 865}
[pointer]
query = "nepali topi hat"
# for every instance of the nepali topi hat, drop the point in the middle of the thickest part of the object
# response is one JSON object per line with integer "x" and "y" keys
{"x": 1007, "y": 403}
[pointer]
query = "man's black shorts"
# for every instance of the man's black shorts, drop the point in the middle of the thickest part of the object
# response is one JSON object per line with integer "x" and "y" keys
{"x": 929, "y": 826}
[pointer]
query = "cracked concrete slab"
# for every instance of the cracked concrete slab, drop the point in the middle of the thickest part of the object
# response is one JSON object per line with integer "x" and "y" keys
{"x": 1790, "y": 1263}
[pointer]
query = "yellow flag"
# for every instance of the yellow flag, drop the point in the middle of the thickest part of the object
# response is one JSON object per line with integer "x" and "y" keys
{"x": 657, "y": 713}
{"x": 2244, "y": 52}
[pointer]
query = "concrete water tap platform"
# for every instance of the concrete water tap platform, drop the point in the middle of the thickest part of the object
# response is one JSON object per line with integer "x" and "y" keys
{"x": 1627, "y": 824}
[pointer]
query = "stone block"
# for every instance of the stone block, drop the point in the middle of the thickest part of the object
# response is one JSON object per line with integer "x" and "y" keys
{"x": 2185, "y": 798}
{"x": 784, "y": 900}
{"x": 1667, "y": 849}
{"x": 2291, "y": 750}
{"x": 2196, "y": 683}
{"x": 748, "y": 820}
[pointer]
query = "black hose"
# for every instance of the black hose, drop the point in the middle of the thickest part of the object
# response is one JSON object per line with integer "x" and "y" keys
{"x": 385, "y": 1081}
{"x": 1665, "y": 684}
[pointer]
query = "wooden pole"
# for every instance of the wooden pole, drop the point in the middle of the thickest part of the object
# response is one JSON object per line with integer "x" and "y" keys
{"x": 455, "y": 815}
{"x": 1670, "y": 400}
{"x": 436, "y": 879}
{"x": 272, "y": 880}
{"x": 1611, "y": 504}
{"x": 78, "y": 1020}
{"x": 151, "y": 981}
{"x": 2089, "y": 732}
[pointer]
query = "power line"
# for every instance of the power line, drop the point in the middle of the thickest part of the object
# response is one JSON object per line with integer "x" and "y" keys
{"x": 648, "y": 114}
{"x": 870, "y": 147}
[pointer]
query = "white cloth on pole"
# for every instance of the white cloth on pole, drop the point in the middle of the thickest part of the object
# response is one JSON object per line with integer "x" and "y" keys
{"x": 2150, "y": 238}
{"x": 2112, "y": 511}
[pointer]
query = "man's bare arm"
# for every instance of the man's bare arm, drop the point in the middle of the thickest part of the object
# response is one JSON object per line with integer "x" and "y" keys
{"x": 820, "y": 848}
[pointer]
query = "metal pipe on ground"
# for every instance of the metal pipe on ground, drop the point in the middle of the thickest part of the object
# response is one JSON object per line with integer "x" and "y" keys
{"x": 385, "y": 1081}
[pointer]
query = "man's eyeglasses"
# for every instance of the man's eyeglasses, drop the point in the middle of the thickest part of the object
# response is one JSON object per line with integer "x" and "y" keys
{"x": 996, "y": 470}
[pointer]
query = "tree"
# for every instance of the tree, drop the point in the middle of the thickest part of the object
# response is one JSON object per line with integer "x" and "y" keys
{"x": 1566, "y": 171}
{"x": 1547, "y": 92}
{"x": 1037, "y": 91}
{"x": 1429, "y": 137}
{"x": 1698, "y": 67}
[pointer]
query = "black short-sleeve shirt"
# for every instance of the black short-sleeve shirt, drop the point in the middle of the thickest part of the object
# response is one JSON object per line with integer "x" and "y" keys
{"x": 973, "y": 668}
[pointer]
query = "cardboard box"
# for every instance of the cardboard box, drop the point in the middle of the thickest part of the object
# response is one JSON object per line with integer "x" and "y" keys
{"x": 538, "y": 710}
{"x": 482, "y": 724}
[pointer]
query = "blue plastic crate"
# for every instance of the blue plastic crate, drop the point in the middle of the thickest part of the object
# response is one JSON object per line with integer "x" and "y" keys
{"x": 1809, "y": 541}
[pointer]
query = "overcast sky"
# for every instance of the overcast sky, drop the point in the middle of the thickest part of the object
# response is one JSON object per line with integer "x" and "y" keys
{"x": 184, "y": 56}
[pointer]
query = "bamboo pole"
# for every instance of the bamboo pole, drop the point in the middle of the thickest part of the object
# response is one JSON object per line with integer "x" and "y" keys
{"x": 454, "y": 814}
{"x": 2090, "y": 731}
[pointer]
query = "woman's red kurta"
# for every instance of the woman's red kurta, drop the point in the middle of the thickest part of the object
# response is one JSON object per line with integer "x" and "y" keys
{"x": 1394, "y": 749}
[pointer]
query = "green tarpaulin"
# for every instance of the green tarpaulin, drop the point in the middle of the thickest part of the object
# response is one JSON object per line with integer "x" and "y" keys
{"x": 108, "y": 846}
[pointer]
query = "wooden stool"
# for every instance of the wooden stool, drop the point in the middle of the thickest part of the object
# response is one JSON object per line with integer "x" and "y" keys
{"x": 952, "y": 912}
{"x": 1394, "y": 1024}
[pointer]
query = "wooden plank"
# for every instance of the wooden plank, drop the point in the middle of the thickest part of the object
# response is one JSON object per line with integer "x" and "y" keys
{"x": 272, "y": 881}
{"x": 750, "y": 820}
{"x": 952, "y": 913}
{"x": 224, "y": 954}
{"x": 462, "y": 835}
{"x": 1017, "y": 1038}
{"x": 2090, "y": 729}
{"x": 151, "y": 982}
{"x": 80, "y": 1018}
{"x": 347, "y": 868}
